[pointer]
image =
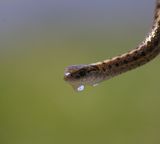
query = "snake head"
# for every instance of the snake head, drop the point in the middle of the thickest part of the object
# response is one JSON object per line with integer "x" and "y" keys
{"x": 79, "y": 75}
{"x": 76, "y": 76}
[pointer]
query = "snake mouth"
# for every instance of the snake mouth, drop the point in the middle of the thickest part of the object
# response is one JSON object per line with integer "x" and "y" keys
{"x": 66, "y": 76}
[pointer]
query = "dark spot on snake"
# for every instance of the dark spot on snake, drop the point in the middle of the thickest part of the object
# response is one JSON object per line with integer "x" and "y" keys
{"x": 128, "y": 55}
{"x": 104, "y": 66}
{"x": 134, "y": 58}
{"x": 143, "y": 53}
{"x": 136, "y": 52}
{"x": 125, "y": 62}
{"x": 118, "y": 58}
{"x": 156, "y": 16}
{"x": 139, "y": 64}
{"x": 117, "y": 64}
{"x": 94, "y": 68}
{"x": 158, "y": 6}
{"x": 109, "y": 66}
{"x": 156, "y": 41}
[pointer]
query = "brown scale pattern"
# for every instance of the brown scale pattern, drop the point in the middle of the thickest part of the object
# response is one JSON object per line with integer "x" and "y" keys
{"x": 97, "y": 72}
{"x": 144, "y": 53}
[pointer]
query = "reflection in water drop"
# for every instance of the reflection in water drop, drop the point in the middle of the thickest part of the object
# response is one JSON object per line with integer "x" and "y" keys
{"x": 67, "y": 74}
{"x": 80, "y": 88}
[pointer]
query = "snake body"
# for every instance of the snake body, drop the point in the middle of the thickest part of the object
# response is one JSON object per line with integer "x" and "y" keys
{"x": 92, "y": 74}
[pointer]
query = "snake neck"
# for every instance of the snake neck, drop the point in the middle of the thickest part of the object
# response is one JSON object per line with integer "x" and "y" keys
{"x": 144, "y": 53}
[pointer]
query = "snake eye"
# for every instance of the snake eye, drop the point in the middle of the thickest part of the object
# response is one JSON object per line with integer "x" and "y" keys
{"x": 82, "y": 73}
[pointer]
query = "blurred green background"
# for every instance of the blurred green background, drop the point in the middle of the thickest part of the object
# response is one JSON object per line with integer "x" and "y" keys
{"x": 38, "y": 39}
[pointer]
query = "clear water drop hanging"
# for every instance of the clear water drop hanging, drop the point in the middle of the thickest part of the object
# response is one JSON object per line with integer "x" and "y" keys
{"x": 80, "y": 88}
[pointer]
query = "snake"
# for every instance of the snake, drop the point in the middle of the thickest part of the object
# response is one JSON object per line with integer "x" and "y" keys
{"x": 92, "y": 74}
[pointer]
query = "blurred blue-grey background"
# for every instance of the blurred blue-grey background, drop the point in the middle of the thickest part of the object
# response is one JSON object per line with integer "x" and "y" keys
{"x": 39, "y": 38}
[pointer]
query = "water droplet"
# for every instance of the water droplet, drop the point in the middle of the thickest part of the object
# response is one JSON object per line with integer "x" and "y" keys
{"x": 80, "y": 88}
